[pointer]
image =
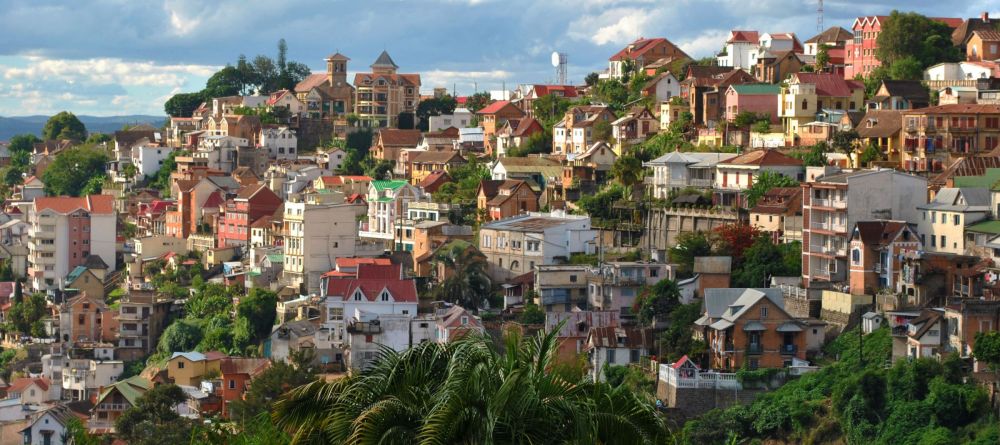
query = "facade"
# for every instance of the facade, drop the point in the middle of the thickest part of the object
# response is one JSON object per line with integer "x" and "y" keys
{"x": 934, "y": 135}
{"x": 561, "y": 287}
{"x": 423, "y": 164}
{"x": 376, "y": 290}
{"x": 632, "y": 128}
{"x": 390, "y": 141}
{"x": 808, "y": 94}
{"x": 459, "y": 118}
{"x": 735, "y": 175}
{"x": 675, "y": 171}
{"x": 861, "y": 52}
{"x": 493, "y": 117}
{"x": 740, "y": 48}
{"x": 387, "y": 202}
{"x": 142, "y": 316}
{"x": 616, "y": 346}
{"x": 515, "y": 245}
{"x": 327, "y": 95}
{"x": 833, "y": 201}
{"x": 575, "y": 132}
{"x": 754, "y": 98}
{"x": 615, "y": 285}
{"x": 779, "y": 214}
{"x": 317, "y": 234}
{"x": 383, "y": 94}
{"x": 64, "y": 231}
{"x": 499, "y": 199}
{"x": 643, "y": 52}
{"x": 876, "y": 248}
{"x": 900, "y": 95}
{"x": 251, "y": 203}
{"x": 943, "y": 220}
{"x": 750, "y": 327}
{"x": 280, "y": 142}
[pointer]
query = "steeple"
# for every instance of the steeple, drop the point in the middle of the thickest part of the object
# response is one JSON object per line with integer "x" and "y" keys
{"x": 384, "y": 63}
{"x": 336, "y": 68}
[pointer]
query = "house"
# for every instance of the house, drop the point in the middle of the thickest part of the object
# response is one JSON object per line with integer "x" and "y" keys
{"x": 348, "y": 185}
{"x": 778, "y": 214}
{"x": 615, "y": 286}
{"x": 383, "y": 94}
{"x": 740, "y": 46}
{"x": 515, "y": 245}
{"x": 32, "y": 391}
{"x": 190, "y": 368}
{"x": 376, "y": 290}
{"x": 925, "y": 334}
{"x": 86, "y": 281}
{"x": 982, "y": 44}
{"x": 875, "y": 249}
{"x": 428, "y": 238}
{"x": 427, "y": 162}
{"x": 943, "y": 220}
{"x": 296, "y": 336}
{"x": 387, "y": 200}
{"x": 87, "y": 318}
{"x": 115, "y": 400}
{"x": 712, "y": 272}
{"x": 49, "y": 426}
{"x": 967, "y": 319}
{"x": 236, "y": 374}
{"x": 675, "y": 171}
{"x": 616, "y": 346}
{"x": 574, "y": 329}
{"x": 141, "y": 316}
{"x": 493, "y": 117}
{"x": 959, "y": 74}
{"x": 934, "y": 135}
{"x": 280, "y": 142}
{"x": 432, "y": 182}
{"x": 64, "y": 231}
{"x": 833, "y": 40}
{"x": 633, "y": 128}
{"x": 775, "y": 66}
{"x": 751, "y": 327}
{"x": 737, "y": 174}
{"x": 705, "y": 89}
{"x": 562, "y": 287}
{"x": 317, "y": 234}
{"x": 810, "y": 93}
{"x": 499, "y": 199}
{"x": 641, "y": 52}
{"x": 389, "y": 141}
{"x": 459, "y": 118}
{"x": 900, "y": 95}
{"x": 454, "y": 323}
{"x": 662, "y": 87}
{"x": 327, "y": 95}
{"x": 235, "y": 216}
{"x": 528, "y": 94}
{"x": 861, "y": 51}
{"x": 575, "y": 132}
{"x": 538, "y": 170}
{"x": 515, "y": 132}
{"x": 759, "y": 98}
{"x": 881, "y": 129}
{"x": 833, "y": 201}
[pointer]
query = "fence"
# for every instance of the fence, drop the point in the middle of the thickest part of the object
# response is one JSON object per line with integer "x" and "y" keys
{"x": 696, "y": 379}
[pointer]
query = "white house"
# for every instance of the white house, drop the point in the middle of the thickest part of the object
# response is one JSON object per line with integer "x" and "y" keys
{"x": 148, "y": 159}
{"x": 663, "y": 87}
{"x": 459, "y": 118}
{"x": 676, "y": 170}
{"x": 616, "y": 346}
{"x": 735, "y": 175}
{"x": 280, "y": 142}
{"x": 220, "y": 151}
{"x": 47, "y": 427}
{"x": 377, "y": 290}
{"x": 741, "y": 47}
{"x": 957, "y": 71}
{"x": 514, "y": 246}
{"x": 387, "y": 201}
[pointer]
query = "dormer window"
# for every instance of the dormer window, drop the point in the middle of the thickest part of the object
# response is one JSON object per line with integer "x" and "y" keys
{"x": 385, "y": 295}
{"x": 358, "y": 295}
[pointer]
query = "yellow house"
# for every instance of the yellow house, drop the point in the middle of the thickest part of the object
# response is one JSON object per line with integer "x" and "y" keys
{"x": 810, "y": 93}
{"x": 425, "y": 163}
{"x": 190, "y": 368}
{"x": 880, "y": 128}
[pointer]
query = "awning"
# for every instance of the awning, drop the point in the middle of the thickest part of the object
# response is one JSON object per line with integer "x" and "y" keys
{"x": 789, "y": 327}
{"x": 754, "y": 326}
{"x": 721, "y": 325}
{"x": 702, "y": 321}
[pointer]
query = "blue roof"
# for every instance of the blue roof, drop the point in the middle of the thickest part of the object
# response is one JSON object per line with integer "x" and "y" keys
{"x": 193, "y": 356}
{"x": 75, "y": 273}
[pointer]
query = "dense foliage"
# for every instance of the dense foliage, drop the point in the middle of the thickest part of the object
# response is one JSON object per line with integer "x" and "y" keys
{"x": 76, "y": 171}
{"x": 764, "y": 182}
{"x": 468, "y": 392}
{"x": 64, "y": 125}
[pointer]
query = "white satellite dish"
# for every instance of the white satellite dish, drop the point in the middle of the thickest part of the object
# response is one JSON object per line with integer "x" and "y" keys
{"x": 555, "y": 59}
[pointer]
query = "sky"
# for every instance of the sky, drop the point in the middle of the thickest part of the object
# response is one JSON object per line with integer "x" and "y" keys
{"x": 120, "y": 57}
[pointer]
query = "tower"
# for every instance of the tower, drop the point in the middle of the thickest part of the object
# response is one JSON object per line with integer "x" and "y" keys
{"x": 819, "y": 16}
{"x": 336, "y": 69}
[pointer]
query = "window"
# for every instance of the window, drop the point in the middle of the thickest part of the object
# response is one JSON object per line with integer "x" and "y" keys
{"x": 933, "y": 240}
{"x": 633, "y": 356}
{"x": 956, "y": 219}
{"x": 763, "y": 312}
{"x": 856, "y": 257}
{"x": 944, "y": 241}
{"x": 572, "y": 278}
{"x": 232, "y": 384}
{"x": 180, "y": 365}
{"x": 611, "y": 356}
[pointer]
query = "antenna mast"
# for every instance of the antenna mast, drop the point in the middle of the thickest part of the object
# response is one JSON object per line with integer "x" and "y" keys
{"x": 819, "y": 17}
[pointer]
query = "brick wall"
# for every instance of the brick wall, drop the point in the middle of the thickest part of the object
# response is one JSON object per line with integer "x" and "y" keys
{"x": 691, "y": 402}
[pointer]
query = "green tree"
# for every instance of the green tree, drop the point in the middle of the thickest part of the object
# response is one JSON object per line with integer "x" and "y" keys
{"x": 434, "y": 107}
{"x": 745, "y": 119}
{"x": 183, "y": 104}
{"x": 24, "y": 316}
{"x": 823, "y": 57}
{"x": 764, "y": 182}
{"x": 871, "y": 154}
{"x": 532, "y": 315}
{"x": 211, "y": 300}
{"x": 540, "y": 142}
{"x": 911, "y": 35}
{"x": 161, "y": 181}
{"x": 764, "y": 259}
{"x": 627, "y": 170}
{"x": 907, "y": 68}
{"x": 689, "y": 246}
{"x": 468, "y": 285}
{"x": 72, "y": 170}
{"x": 612, "y": 92}
{"x": 761, "y": 126}
{"x": 269, "y": 386}
{"x": 844, "y": 141}
{"x": 64, "y": 125}
{"x": 816, "y": 156}
{"x": 98, "y": 138}
{"x": 987, "y": 348}
{"x": 226, "y": 82}
{"x": 591, "y": 79}
{"x": 550, "y": 109}
{"x": 657, "y": 301}
{"x": 468, "y": 392}
{"x": 478, "y": 101}
{"x": 676, "y": 341}
{"x": 154, "y": 420}
{"x": 181, "y": 335}
{"x": 258, "y": 307}
{"x": 602, "y": 131}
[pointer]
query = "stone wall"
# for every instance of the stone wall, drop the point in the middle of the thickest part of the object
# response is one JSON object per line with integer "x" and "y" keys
{"x": 691, "y": 402}
{"x": 802, "y": 307}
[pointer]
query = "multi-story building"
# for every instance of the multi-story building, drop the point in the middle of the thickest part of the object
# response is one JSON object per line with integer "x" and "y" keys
{"x": 810, "y": 93}
{"x": 616, "y": 346}
{"x": 642, "y": 52}
{"x": 876, "y": 248}
{"x": 142, "y": 316}
{"x": 575, "y": 132}
{"x": 778, "y": 214}
{"x": 251, "y": 203}
{"x": 943, "y": 220}
{"x": 422, "y": 164}
{"x": 387, "y": 202}
{"x": 85, "y": 318}
{"x": 493, "y": 117}
{"x": 64, "y": 231}
{"x": 280, "y": 142}
{"x": 459, "y": 118}
{"x": 749, "y": 327}
{"x": 861, "y": 52}
{"x": 760, "y": 98}
{"x": 315, "y": 235}
{"x": 376, "y": 290}
{"x": 498, "y": 199}
{"x": 327, "y": 95}
{"x": 514, "y": 246}
{"x": 615, "y": 285}
{"x": 561, "y": 287}
{"x": 834, "y": 201}
{"x": 526, "y": 95}
{"x": 383, "y": 94}
{"x": 675, "y": 171}
{"x": 933, "y": 136}
{"x": 735, "y": 175}
{"x": 740, "y": 47}
{"x": 834, "y": 39}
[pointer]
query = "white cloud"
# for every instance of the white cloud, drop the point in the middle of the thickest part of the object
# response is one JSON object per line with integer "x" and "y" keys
{"x": 705, "y": 44}
{"x": 106, "y": 71}
{"x": 617, "y": 25}
{"x": 182, "y": 20}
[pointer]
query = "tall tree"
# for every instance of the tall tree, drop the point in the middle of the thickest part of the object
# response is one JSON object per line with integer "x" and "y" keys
{"x": 478, "y": 101}
{"x": 468, "y": 392}
{"x": 766, "y": 181}
{"x": 153, "y": 419}
{"x": 183, "y": 104}
{"x": 468, "y": 285}
{"x": 910, "y": 35}
{"x": 64, "y": 125}
{"x": 627, "y": 170}
{"x": 73, "y": 169}
{"x": 689, "y": 246}
{"x": 735, "y": 238}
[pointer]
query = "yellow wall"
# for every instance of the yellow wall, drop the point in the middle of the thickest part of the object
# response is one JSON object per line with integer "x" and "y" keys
{"x": 843, "y": 302}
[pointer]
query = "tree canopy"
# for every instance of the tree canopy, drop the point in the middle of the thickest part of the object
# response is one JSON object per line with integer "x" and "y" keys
{"x": 435, "y": 106}
{"x": 73, "y": 171}
{"x": 916, "y": 42}
{"x": 764, "y": 182}
{"x": 64, "y": 125}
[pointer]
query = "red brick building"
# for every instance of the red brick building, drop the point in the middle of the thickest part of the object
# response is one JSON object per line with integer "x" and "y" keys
{"x": 238, "y": 213}
{"x": 860, "y": 54}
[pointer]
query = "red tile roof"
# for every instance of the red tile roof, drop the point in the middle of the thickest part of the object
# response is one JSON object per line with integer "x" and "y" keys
{"x": 958, "y": 109}
{"x": 545, "y": 90}
{"x": 355, "y": 262}
{"x": 97, "y": 204}
{"x": 393, "y": 137}
{"x": 638, "y": 48}
{"x": 310, "y": 82}
{"x": 743, "y": 36}
{"x": 762, "y": 158}
{"x": 829, "y": 84}
{"x": 371, "y": 281}
{"x": 21, "y": 383}
{"x": 497, "y": 107}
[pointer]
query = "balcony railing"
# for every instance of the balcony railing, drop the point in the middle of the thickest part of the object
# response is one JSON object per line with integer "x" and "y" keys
{"x": 109, "y": 406}
{"x": 789, "y": 349}
{"x": 755, "y": 348}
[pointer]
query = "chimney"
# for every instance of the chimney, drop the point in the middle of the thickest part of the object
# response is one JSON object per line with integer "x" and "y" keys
{"x": 985, "y": 17}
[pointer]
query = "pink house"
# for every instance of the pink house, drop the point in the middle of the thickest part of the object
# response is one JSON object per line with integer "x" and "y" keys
{"x": 761, "y": 98}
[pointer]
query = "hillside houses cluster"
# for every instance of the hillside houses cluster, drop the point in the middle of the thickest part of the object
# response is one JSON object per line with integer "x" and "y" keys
{"x": 908, "y": 240}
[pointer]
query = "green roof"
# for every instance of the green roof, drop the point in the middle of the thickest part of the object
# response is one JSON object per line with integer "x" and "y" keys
{"x": 382, "y": 184}
{"x": 131, "y": 389}
{"x": 986, "y": 180}
{"x": 276, "y": 257}
{"x": 991, "y": 227}
{"x": 75, "y": 273}
{"x": 757, "y": 88}
{"x": 384, "y": 199}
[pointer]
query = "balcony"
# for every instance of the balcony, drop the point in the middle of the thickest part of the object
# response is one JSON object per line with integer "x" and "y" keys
{"x": 789, "y": 349}
{"x": 365, "y": 328}
{"x": 108, "y": 406}
{"x": 129, "y": 316}
{"x": 830, "y": 227}
{"x": 704, "y": 183}
{"x": 755, "y": 348}
{"x": 828, "y": 250}
{"x": 556, "y": 299}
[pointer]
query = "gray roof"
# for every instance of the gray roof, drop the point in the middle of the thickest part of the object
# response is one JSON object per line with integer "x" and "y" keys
{"x": 224, "y": 182}
{"x": 384, "y": 61}
{"x": 713, "y": 264}
{"x": 966, "y": 199}
{"x": 690, "y": 159}
{"x": 717, "y": 301}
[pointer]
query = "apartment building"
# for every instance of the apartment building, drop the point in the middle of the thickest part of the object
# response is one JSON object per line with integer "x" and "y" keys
{"x": 876, "y": 248}
{"x": 575, "y": 132}
{"x": 383, "y": 94}
{"x": 933, "y": 136}
{"x": 251, "y": 203}
{"x": 514, "y": 246}
{"x": 142, "y": 316}
{"x": 833, "y": 201}
{"x": 943, "y": 220}
{"x": 808, "y": 94}
{"x": 615, "y": 285}
{"x": 315, "y": 235}
{"x": 63, "y": 231}
{"x": 376, "y": 290}
{"x": 387, "y": 201}
{"x": 561, "y": 287}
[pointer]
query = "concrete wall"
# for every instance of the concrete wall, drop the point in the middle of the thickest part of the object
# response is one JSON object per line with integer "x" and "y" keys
{"x": 692, "y": 402}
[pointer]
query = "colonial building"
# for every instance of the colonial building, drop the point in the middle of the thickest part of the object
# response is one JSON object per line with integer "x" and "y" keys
{"x": 383, "y": 94}
{"x": 327, "y": 95}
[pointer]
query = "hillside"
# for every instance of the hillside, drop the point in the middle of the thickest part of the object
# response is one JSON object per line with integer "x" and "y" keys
{"x": 10, "y": 126}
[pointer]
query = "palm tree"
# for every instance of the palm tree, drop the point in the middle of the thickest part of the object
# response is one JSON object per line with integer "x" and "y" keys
{"x": 468, "y": 284}
{"x": 467, "y": 392}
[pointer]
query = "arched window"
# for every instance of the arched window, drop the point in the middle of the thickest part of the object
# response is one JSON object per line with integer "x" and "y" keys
{"x": 514, "y": 265}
